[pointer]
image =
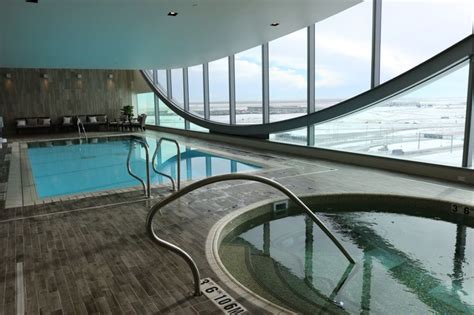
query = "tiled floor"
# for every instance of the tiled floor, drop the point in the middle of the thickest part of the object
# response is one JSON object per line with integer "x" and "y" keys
{"x": 92, "y": 255}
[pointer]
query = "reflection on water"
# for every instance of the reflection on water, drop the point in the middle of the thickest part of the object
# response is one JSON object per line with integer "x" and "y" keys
{"x": 405, "y": 264}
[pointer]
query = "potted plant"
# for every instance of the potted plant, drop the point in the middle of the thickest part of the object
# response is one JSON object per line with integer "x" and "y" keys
{"x": 127, "y": 111}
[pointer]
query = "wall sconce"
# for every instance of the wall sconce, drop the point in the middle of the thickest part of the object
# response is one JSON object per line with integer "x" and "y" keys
{"x": 45, "y": 76}
{"x": 110, "y": 76}
{"x": 79, "y": 76}
{"x": 8, "y": 76}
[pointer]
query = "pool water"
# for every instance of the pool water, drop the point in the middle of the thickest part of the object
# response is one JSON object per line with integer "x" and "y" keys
{"x": 69, "y": 167}
{"x": 406, "y": 264}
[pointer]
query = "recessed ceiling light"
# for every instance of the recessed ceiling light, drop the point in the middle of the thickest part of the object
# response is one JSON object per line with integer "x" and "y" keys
{"x": 275, "y": 24}
{"x": 110, "y": 76}
{"x": 8, "y": 75}
{"x": 172, "y": 13}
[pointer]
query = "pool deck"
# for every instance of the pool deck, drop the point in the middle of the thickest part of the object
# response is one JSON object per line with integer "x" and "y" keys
{"x": 92, "y": 255}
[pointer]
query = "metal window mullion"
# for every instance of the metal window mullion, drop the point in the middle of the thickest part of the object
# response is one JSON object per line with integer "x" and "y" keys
{"x": 168, "y": 84}
{"x": 155, "y": 76}
{"x": 186, "y": 95}
{"x": 232, "y": 109}
{"x": 156, "y": 99}
{"x": 205, "y": 80}
{"x": 265, "y": 84}
{"x": 468, "y": 148}
{"x": 376, "y": 40}
{"x": 157, "y": 110}
{"x": 311, "y": 80}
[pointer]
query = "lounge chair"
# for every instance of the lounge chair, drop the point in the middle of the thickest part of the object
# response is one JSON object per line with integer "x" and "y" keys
{"x": 140, "y": 123}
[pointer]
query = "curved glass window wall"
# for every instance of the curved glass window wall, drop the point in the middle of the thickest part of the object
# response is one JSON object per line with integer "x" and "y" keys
{"x": 331, "y": 61}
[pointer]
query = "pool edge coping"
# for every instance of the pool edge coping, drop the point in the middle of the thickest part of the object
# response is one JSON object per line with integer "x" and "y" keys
{"x": 224, "y": 276}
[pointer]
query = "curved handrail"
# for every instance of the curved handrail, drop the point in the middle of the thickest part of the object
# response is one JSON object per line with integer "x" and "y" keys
{"x": 161, "y": 173}
{"x": 220, "y": 178}
{"x": 79, "y": 125}
{"x": 440, "y": 63}
{"x": 147, "y": 186}
{"x": 178, "y": 150}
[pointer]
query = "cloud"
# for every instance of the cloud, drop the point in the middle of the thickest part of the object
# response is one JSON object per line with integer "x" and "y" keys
{"x": 328, "y": 79}
{"x": 246, "y": 70}
{"x": 289, "y": 51}
{"x": 286, "y": 79}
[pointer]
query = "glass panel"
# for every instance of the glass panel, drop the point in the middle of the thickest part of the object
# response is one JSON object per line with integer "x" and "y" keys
{"x": 146, "y": 105}
{"x": 413, "y": 31}
{"x": 168, "y": 118}
{"x": 219, "y": 90}
{"x": 162, "y": 79}
{"x": 196, "y": 90}
{"x": 248, "y": 86}
{"x": 177, "y": 89}
{"x": 195, "y": 127}
{"x": 296, "y": 136}
{"x": 343, "y": 55}
{"x": 425, "y": 124}
{"x": 288, "y": 67}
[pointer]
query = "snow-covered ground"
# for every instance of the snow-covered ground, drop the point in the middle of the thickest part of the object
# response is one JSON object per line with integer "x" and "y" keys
{"x": 415, "y": 130}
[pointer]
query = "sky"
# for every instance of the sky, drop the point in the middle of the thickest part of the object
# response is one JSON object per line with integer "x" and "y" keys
{"x": 412, "y": 31}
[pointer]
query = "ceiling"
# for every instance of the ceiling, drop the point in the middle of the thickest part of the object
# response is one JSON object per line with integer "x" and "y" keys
{"x": 138, "y": 34}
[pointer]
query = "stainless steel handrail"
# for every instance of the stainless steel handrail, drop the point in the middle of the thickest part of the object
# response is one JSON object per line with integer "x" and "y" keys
{"x": 79, "y": 125}
{"x": 220, "y": 178}
{"x": 178, "y": 156}
{"x": 147, "y": 186}
{"x": 158, "y": 172}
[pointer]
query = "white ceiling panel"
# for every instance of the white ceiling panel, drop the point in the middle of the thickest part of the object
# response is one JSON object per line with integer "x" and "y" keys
{"x": 138, "y": 34}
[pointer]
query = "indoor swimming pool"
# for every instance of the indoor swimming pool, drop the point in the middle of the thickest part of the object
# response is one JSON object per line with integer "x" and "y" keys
{"x": 68, "y": 167}
{"x": 411, "y": 261}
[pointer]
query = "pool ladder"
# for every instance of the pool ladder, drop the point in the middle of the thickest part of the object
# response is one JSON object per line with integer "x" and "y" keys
{"x": 176, "y": 186}
{"x": 146, "y": 186}
{"x": 80, "y": 127}
{"x": 220, "y": 178}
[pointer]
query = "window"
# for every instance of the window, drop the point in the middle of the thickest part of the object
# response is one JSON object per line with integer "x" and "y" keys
{"x": 196, "y": 90}
{"x": 248, "y": 86}
{"x": 146, "y": 105}
{"x": 168, "y": 118}
{"x": 177, "y": 90}
{"x": 296, "y": 136}
{"x": 288, "y": 71}
{"x": 162, "y": 79}
{"x": 425, "y": 124}
{"x": 415, "y": 30}
{"x": 219, "y": 90}
{"x": 343, "y": 55}
{"x": 195, "y": 127}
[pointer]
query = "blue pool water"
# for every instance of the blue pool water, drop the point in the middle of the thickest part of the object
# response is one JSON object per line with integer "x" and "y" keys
{"x": 67, "y": 167}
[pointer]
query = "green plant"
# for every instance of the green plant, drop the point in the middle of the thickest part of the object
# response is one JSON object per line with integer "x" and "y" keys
{"x": 127, "y": 110}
